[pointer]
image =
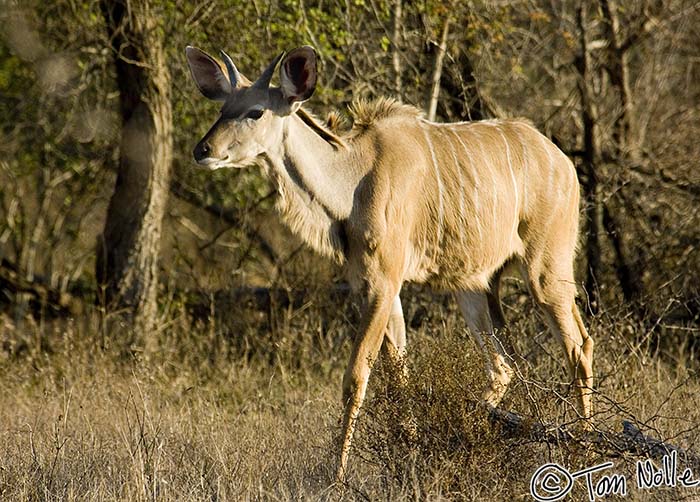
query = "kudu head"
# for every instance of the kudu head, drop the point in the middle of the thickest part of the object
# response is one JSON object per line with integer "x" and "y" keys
{"x": 252, "y": 116}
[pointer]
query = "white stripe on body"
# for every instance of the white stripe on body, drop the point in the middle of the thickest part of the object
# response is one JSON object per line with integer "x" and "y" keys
{"x": 494, "y": 185}
{"x": 550, "y": 174}
{"x": 476, "y": 184}
{"x": 516, "y": 218}
{"x": 550, "y": 180}
{"x": 526, "y": 171}
{"x": 441, "y": 202}
{"x": 462, "y": 212}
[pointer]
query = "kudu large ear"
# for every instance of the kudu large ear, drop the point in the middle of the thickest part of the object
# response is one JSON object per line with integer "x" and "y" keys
{"x": 208, "y": 74}
{"x": 298, "y": 74}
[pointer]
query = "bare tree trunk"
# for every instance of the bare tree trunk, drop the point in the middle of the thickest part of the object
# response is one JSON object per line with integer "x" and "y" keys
{"x": 591, "y": 160}
{"x": 437, "y": 72}
{"x": 630, "y": 285}
{"x": 129, "y": 246}
{"x": 463, "y": 100}
{"x": 626, "y": 145}
{"x": 396, "y": 42}
{"x": 618, "y": 70}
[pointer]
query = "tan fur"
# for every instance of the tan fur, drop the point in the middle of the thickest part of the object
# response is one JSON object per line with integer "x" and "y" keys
{"x": 399, "y": 198}
{"x": 336, "y": 123}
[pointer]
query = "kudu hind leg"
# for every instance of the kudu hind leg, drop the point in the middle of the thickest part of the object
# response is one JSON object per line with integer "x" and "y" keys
{"x": 395, "y": 350}
{"x": 395, "y": 344}
{"x": 484, "y": 319}
{"x": 554, "y": 292}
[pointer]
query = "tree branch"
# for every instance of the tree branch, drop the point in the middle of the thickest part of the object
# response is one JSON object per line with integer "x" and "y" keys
{"x": 437, "y": 73}
{"x": 190, "y": 196}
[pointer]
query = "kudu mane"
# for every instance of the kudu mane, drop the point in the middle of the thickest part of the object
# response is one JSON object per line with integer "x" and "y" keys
{"x": 363, "y": 115}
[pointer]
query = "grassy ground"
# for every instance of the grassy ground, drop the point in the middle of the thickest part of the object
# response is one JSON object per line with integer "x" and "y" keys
{"x": 251, "y": 412}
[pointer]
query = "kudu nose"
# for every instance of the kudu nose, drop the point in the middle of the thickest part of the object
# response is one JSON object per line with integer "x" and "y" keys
{"x": 202, "y": 151}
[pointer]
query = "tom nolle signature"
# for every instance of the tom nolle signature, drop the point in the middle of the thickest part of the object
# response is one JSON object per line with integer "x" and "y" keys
{"x": 553, "y": 482}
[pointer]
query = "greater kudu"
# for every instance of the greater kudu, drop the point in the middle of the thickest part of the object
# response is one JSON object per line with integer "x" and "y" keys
{"x": 399, "y": 199}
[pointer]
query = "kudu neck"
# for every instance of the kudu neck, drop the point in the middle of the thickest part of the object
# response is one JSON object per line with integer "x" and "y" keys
{"x": 328, "y": 173}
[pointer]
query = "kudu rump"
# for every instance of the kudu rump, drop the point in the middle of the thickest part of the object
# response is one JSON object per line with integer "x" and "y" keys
{"x": 399, "y": 198}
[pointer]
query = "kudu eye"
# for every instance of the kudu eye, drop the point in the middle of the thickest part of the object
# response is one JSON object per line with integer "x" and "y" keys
{"x": 254, "y": 114}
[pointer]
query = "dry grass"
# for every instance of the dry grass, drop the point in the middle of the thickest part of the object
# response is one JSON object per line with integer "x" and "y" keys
{"x": 251, "y": 413}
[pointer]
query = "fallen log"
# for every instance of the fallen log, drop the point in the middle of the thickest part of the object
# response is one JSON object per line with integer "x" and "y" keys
{"x": 43, "y": 295}
{"x": 629, "y": 440}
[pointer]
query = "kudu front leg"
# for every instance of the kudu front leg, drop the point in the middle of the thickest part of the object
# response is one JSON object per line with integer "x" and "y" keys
{"x": 364, "y": 353}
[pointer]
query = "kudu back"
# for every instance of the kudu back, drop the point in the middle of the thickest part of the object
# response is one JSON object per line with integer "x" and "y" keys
{"x": 400, "y": 199}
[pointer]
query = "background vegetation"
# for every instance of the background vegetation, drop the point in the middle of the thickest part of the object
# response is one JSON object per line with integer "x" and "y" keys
{"x": 228, "y": 386}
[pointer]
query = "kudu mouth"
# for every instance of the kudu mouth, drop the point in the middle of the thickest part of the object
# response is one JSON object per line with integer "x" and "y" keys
{"x": 212, "y": 163}
{"x": 203, "y": 156}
